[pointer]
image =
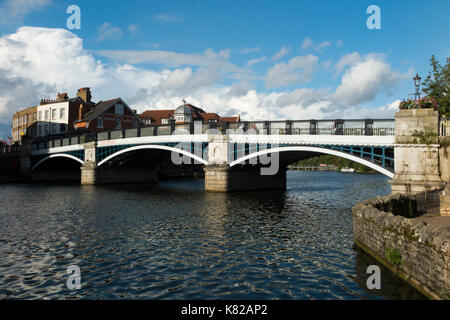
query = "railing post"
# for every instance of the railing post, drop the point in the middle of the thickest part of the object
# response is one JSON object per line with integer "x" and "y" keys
{"x": 245, "y": 128}
{"x": 368, "y": 127}
{"x": 267, "y": 127}
{"x": 313, "y": 127}
{"x": 172, "y": 125}
{"x": 339, "y": 125}
{"x": 289, "y": 127}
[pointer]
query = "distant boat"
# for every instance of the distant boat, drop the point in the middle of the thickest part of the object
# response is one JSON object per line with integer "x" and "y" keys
{"x": 346, "y": 169}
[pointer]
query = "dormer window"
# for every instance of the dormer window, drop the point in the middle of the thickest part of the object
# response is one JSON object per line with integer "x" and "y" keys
{"x": 100, "y": 122}
{"x": 119, "y": 108}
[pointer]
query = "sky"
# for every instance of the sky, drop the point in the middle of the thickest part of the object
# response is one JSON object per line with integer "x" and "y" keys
{"x": 264, "y": 60}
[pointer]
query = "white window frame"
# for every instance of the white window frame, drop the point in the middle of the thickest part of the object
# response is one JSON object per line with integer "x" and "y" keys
{"x": 119, "y": 108}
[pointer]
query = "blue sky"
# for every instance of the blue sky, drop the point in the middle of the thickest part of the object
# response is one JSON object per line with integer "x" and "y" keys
{"x": 262, "y": 59}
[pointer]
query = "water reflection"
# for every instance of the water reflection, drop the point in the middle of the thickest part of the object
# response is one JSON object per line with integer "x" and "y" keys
{"x": 174, "y": 241}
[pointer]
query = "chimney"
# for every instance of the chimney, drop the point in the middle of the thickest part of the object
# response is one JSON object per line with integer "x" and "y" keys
{"x": 85, "y": 94}
{"x": 80, "y": 112}
{"x": 62, "y": 96}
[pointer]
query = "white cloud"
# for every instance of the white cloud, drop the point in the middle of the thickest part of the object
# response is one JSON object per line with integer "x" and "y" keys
{"x": 133, "y": 29}
{"x": 297, "y": 70}
{"x": 308, "y": 43}
{"x": 30, "y": 71}
{"x": 166, "y": 17}
{"x": 108, "y": 32}
{"x": 209, "y": 58}
{"x": 14, "y": 11}
{"x": 250, "y": 50}
{"x": 365, "y": 79}
{"x": 186, "y": 81}
{"x": 255, "y": 61}
{"x": 340, "y": 43}
{"x": 350, "y": 59}
{"x": 280, "y": 54}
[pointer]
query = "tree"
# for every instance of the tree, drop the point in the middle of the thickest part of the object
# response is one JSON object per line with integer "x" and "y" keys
{"x": 437, "y": 85}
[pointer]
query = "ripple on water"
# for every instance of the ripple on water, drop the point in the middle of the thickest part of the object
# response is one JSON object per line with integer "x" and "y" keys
{"x": 174, "y": 241}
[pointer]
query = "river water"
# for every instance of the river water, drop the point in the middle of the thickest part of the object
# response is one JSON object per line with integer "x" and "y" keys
{"x": 172, "y": 240}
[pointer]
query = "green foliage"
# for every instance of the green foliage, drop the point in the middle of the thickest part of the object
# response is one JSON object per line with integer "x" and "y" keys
{"x": 437, "y": 85}
{"x": 427, "y": 137}
{"x": 336, "y": 161}
{"x": 394, "y": 257}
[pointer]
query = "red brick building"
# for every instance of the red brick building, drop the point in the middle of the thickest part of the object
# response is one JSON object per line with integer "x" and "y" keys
{"x": 107, "y": 115}
{"x": 185, "y": 113}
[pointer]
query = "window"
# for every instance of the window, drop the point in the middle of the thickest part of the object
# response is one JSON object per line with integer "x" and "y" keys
{"x": 118, "y": 123}
{"x": 165, "y": 120}
{"x": 40, "y": 115}
{"x": 34, "y": 116}
{"x": 62, "y": 127}
{"x": 119, "y": 108}
{"x": 54, "y": 129}
{"x": 46, "y": 114}
{"x": 46, "y": 130}
{"x": 53, "y": 113}
{"x": 100, "y": 122}
{"x": 62, "y": 113}
{"x": 135, "y": 124}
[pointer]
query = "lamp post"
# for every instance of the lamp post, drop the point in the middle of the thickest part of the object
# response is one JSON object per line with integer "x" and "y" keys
{"x": 417, "y": 81}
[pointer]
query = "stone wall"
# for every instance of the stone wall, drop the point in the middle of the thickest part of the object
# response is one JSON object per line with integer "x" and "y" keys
{"x": 222, "y": 178}
{"x": 91, "y": 174}
{"x": 444, "y": 161}
{"x": 416, "y": 251}
{"x": 417, "y": 153}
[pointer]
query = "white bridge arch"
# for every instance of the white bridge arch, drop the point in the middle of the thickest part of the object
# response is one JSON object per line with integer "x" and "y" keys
{"x": 142, "y": 147}
{"x": 317, "y": 150}
{"x": 57, "y": 155}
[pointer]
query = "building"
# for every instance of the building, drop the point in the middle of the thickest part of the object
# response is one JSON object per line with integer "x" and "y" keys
{"x": 58, "y": 116}
{"x": 24, "y": 123}
{"x": 184, "y": 114}
{"x": 109, "y": 115}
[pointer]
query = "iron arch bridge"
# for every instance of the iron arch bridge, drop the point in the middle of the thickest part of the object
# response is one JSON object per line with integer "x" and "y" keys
{"x": 368, "y": 142}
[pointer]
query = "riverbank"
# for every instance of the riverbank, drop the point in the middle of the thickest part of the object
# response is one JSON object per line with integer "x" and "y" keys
{"x": 416, "y": 248}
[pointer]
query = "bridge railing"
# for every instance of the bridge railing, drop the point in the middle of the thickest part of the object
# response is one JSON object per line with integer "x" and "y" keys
{"x": 358, "y": 127}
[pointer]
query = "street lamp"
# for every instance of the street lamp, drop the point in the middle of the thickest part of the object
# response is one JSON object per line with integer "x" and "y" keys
{"x": 417, "y": 81}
